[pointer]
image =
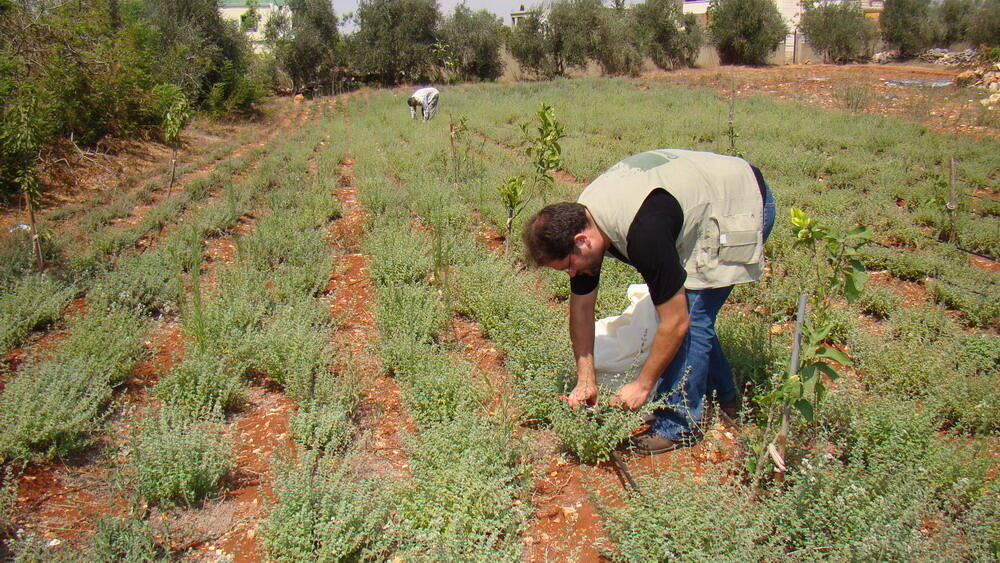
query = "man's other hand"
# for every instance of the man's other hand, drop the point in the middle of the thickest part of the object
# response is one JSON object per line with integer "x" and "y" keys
{"x": 631, "y": 396}
{"x": 583, "y": 394}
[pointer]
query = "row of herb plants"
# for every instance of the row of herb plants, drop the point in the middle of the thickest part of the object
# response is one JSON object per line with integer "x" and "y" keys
{"x": 33, "y": 300}
{"x": 464, "y": 499}
{"x": 816, "y": 160}
{"x": 867, "y": 442}
{"x": 263, "y": 317}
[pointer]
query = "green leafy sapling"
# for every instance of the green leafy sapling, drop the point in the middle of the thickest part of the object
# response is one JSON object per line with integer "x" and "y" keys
{"x": 839, "y": 273}
{"x": 546, "y": 155}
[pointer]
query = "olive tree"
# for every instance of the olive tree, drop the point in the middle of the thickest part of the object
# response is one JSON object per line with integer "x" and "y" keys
{"x": 395, "y": 39}
{"x": 745, "y": 31}
{"x": 473, "y": 41}
{"x": 306, "y": 45}
{"x": 667, "y": 38}
{"x": 838, "y": 30}
{"x": 534, "y": 46}
{"x": 907, "y": 26}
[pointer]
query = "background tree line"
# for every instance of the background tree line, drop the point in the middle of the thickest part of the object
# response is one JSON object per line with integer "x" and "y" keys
{"x": 81, "y": 70}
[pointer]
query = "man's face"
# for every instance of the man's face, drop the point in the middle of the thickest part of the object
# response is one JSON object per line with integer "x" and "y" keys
{"x": 586, "y": 258}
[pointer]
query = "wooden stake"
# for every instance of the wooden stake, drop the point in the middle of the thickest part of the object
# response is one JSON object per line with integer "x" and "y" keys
{"x": 786, "y": 410}
{"x": 36, "y": 245}
{"x": 952, "y": 201}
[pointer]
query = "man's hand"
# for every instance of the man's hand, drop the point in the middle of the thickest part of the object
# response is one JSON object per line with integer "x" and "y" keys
{"x": 631, "y": 396}
{"x": 585, "y": 393}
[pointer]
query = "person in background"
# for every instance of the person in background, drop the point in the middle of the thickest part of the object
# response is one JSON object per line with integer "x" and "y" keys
{"x": 427, "y": 100}
{"x": 693, "y": 224}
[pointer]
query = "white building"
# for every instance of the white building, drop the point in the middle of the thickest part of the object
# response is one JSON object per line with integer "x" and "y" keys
{"x": 240, "y": 12}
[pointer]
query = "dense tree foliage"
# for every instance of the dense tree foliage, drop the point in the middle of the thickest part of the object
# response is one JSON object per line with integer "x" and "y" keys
{"x": 669, "y": 39}
{"x": 615, "y": 37}
{"x": 984, "y": 23}
{"x": 839, "y": 30}
{"x": 395, "y": 39}
{"x": 745, "y": 31}
{"x": 472, "y": 42}
{"x": 907, "y": 25}
{"x": 306, "y": 45}
{"x": 534, "y": 46}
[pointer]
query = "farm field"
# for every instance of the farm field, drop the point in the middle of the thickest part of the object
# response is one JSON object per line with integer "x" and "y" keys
{"x": 317, "y": 345}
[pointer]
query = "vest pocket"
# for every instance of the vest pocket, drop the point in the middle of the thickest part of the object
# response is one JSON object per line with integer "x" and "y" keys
{"x": 739, "y": 239}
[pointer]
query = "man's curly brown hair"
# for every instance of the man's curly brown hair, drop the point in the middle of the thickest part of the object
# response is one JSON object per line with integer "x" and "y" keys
{"x": 548, "y": 235}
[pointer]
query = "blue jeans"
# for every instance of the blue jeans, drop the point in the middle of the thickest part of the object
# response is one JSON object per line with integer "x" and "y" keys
{"x": 700, "y": 367}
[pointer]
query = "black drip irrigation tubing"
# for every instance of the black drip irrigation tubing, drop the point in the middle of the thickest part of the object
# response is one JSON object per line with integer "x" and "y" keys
{"x": 623, "y": 469}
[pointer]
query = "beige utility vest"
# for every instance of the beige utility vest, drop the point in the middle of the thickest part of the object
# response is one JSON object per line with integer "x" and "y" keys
{"x": 721, "y": 241}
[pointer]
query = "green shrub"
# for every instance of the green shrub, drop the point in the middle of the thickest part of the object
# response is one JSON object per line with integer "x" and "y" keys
{"x": 150, "y": 281}
{"x": 294, "y": 350}
{"x": 108, "y": 341}
{"x": 903, "y": 367}
{"x": 980, "y": 309}
{"x": 466, "y": 478}
{"x": 29, "y": 304}
{"x": 968, "y": 404}
{"x": 666, "y": 43}
{"x": 886, "y": 433}
{"x": 325, "y": 428}
{"x": 323, "y": 513}
{"x": 474, "y": 40}
{"x": 124, "y": 540}
{"x": 441, "y": 395}
{"x": 879, "y": 302}
{"x": 911, "y": 267}
{"x": 536, "y": 395}
{"x": 180, "y": 456}
{"x": 8, "y": 500}
{"x": 840, "y": 31}
{"x": 754, "y": 354}
{"x": 850, "y": 513}
{"x": 51, "y": 410}
{"x": 412, "y": 311}
{"x": 907, "y": 26}
{"x": 201, "y": 382}
{"x": 591, "y": 434}
{"x": 16, "y": 256}
{"x": 690, "y": 518}
{"x": 399, "y": 256}
{"x": 924, "y": 323}
{"x": 745, "y": 31}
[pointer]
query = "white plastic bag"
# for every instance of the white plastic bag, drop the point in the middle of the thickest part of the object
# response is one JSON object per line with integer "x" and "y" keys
{"x": 622, "y": 341}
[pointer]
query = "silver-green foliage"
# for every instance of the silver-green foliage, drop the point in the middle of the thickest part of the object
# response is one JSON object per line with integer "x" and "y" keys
{"x": 29, "y": 304}
{"x": 467, "y": 475}
{"x": 8, "y": 500}
{"x": 53, "y": 409}
{"x": 443, "y": 394}
{"x": 399, "y": 255}
{"x": 685, "y": 518}
{"x": 592, "y": 433}
{"x": 203, "y": 381}
{"x": 324, "y": 513}
{"x": 124, "y": 540}
{"x": 180, "y": 456}
{"x": 410, "y": 310}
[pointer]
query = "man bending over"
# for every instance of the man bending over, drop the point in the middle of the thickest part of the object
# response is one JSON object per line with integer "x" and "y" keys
{"x": 693, "y": 224}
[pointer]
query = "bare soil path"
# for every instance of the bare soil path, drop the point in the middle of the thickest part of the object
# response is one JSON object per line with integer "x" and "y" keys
{"x": 904, "y": 90}
{"x": 382, "y": 413}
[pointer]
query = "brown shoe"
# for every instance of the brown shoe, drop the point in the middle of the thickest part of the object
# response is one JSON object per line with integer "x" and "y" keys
{"x": 649, "y": 442}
